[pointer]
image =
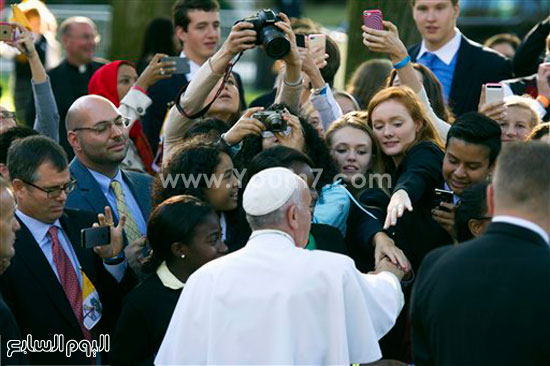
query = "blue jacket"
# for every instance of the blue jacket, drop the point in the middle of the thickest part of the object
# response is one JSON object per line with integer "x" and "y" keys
{"x": 88, "y": 195}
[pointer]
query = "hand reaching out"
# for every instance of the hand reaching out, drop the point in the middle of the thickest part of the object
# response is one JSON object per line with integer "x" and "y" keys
{"x": 399, "y": 202}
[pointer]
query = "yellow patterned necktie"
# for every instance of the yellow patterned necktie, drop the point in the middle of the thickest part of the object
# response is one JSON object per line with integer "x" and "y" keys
{"x": 130, "y": 228}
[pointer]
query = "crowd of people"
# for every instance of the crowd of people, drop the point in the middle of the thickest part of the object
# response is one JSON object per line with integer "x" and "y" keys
{"x": 403, "y": 220}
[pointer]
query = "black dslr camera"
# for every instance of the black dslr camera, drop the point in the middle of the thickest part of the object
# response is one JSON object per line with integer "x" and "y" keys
{"x": 273, "y": 120}
{"x": 272, "y": 38}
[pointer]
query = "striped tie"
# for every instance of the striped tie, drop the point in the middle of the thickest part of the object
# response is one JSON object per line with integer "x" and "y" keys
{"x": 130, "y": 228}
{"x": 68, "y": 279}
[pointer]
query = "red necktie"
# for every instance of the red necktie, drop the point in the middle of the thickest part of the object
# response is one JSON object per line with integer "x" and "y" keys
{"x": 68, "y": 279}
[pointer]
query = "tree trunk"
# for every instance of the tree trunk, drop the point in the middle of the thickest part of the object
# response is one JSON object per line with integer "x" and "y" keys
{"x": 398, "y": 12}
{"x": 130, "y": 19}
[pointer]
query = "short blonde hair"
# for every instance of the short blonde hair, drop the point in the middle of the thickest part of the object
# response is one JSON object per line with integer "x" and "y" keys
{"x": 527, "y": 103}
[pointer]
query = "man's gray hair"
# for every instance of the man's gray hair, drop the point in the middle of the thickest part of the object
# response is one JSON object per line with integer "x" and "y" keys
{"x": 65, "y": 27}
{"x": 276, "y": 217}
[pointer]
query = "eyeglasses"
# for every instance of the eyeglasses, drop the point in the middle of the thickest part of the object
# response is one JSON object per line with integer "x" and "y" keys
{"x": 104, "y": 126}
{"x": 7, "y": 115}
{"x": 55, "y": 192}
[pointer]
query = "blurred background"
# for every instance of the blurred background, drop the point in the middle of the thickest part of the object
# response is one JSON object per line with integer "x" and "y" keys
{"x": 121, "y": 24}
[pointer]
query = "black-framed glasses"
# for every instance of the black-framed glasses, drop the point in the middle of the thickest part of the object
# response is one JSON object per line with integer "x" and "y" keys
{"x": 104, "y": 126}
{"x": 55, "y": 192}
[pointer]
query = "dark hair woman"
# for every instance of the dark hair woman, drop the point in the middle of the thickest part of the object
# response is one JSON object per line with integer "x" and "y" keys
{"x": 204, "y": 170}
{"x": 184, "y": 234}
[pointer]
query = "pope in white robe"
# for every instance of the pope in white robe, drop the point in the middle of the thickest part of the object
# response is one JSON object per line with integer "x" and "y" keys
{"x": 273, "y": 302}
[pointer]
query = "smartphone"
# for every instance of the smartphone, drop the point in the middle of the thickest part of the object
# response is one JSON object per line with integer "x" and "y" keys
{"x": 95, "y": 236}
{"x": 301, "y": 40}
{"x": 317, "y": 41}
{"x": 373, "y": 19}
{"x": 494, "y": 92}
{"x": 182, "y": 64}
{"x": 442, "y": 195}
{"x": 8, "y": 32}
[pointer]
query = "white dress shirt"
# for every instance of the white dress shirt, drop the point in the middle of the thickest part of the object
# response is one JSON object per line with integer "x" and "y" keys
{"x": 193, "y": 67}
{"x": 447, "y": 52}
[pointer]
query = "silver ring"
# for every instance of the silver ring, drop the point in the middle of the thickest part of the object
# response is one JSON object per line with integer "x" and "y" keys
{"x": 161, "y": 71}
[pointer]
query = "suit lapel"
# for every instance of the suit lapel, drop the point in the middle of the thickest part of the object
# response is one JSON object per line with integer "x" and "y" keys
{"x": 31, "y": 254}
{"x": 136, "y": 189}
{"x": 89, "y": 188}
{"x": 73, "y": 234}
{"x": 461, "y": 80}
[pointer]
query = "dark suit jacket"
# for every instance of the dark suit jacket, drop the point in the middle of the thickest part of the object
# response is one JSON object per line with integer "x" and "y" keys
{"x": 143, "y": 322}
{"x": 9, "y": 331}
{"x": 484, "y": 302}
{"x": 68, "y": 84}
{"x": 163, "y": 94}
{"x": 419, "y": 173}
{"x": 475, "y": 65}
{"x": 38, "y": 301}
{"x": 88, "y": 195}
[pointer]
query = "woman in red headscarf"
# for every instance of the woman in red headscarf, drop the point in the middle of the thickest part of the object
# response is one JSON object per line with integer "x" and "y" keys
{"x": 118, "y": 81}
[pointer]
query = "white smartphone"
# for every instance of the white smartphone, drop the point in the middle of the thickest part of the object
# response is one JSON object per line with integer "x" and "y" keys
{"x": 494, "y": 92}
{"x": 317, "y": 41}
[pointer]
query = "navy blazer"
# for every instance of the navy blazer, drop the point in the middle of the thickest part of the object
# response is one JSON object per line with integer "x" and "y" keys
{"x": 89, "y": 196}
{"x": 484, "y": 302}
{"x": 475, "y": 65}
{"x": 38, "y": 301}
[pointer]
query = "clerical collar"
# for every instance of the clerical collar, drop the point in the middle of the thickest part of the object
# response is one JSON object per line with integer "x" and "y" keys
{"x": 167, "y": 278}
{"x": 257, "y": 233}
{"x": 82, "y": 69}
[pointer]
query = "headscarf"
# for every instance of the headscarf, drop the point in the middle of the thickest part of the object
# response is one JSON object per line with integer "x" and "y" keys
{"x": 104, "y": 83}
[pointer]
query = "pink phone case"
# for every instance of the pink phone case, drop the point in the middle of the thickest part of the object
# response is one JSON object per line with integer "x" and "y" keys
{"x": 373, "y": 19}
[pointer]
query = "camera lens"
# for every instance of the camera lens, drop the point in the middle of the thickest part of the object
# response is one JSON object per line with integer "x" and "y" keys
{"x": 275, "y": 43}
{"x": 275, "y": 123}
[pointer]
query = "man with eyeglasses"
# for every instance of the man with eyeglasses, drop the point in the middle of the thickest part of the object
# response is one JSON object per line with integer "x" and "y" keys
{"x": 51, "y": 276}
{"x": 98, "y": 135}
{"x": 70, "y": 79}
{"x": 7, "y": 120}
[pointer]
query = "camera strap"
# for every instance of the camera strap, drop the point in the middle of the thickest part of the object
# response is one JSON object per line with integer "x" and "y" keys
{"x": 203, "y": 111}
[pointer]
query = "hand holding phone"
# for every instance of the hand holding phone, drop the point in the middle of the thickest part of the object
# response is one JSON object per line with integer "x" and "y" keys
{"x": 8, "y": 32}
{"x": 442, "y": 195}
{"x": 373, "y": 19}
{"x": 494, "y": 92}
{"x": 95, "y": 236}
{"x": 182, "y": 64}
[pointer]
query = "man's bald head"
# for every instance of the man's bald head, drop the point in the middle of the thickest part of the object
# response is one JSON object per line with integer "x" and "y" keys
{"x": 98, "y": 133}
{"x": 82, "y": 107}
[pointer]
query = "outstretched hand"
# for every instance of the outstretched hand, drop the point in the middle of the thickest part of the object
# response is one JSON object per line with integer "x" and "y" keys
{"x": 399, "y": 202}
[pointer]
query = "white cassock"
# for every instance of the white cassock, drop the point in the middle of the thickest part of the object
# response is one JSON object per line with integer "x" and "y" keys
{"x": 273, "y": 303}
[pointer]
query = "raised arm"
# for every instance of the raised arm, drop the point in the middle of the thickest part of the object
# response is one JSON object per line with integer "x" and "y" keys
{"x": 291, "y": 89}
{"x": 46, "y": 121}
{"x": 388, "y": 41}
